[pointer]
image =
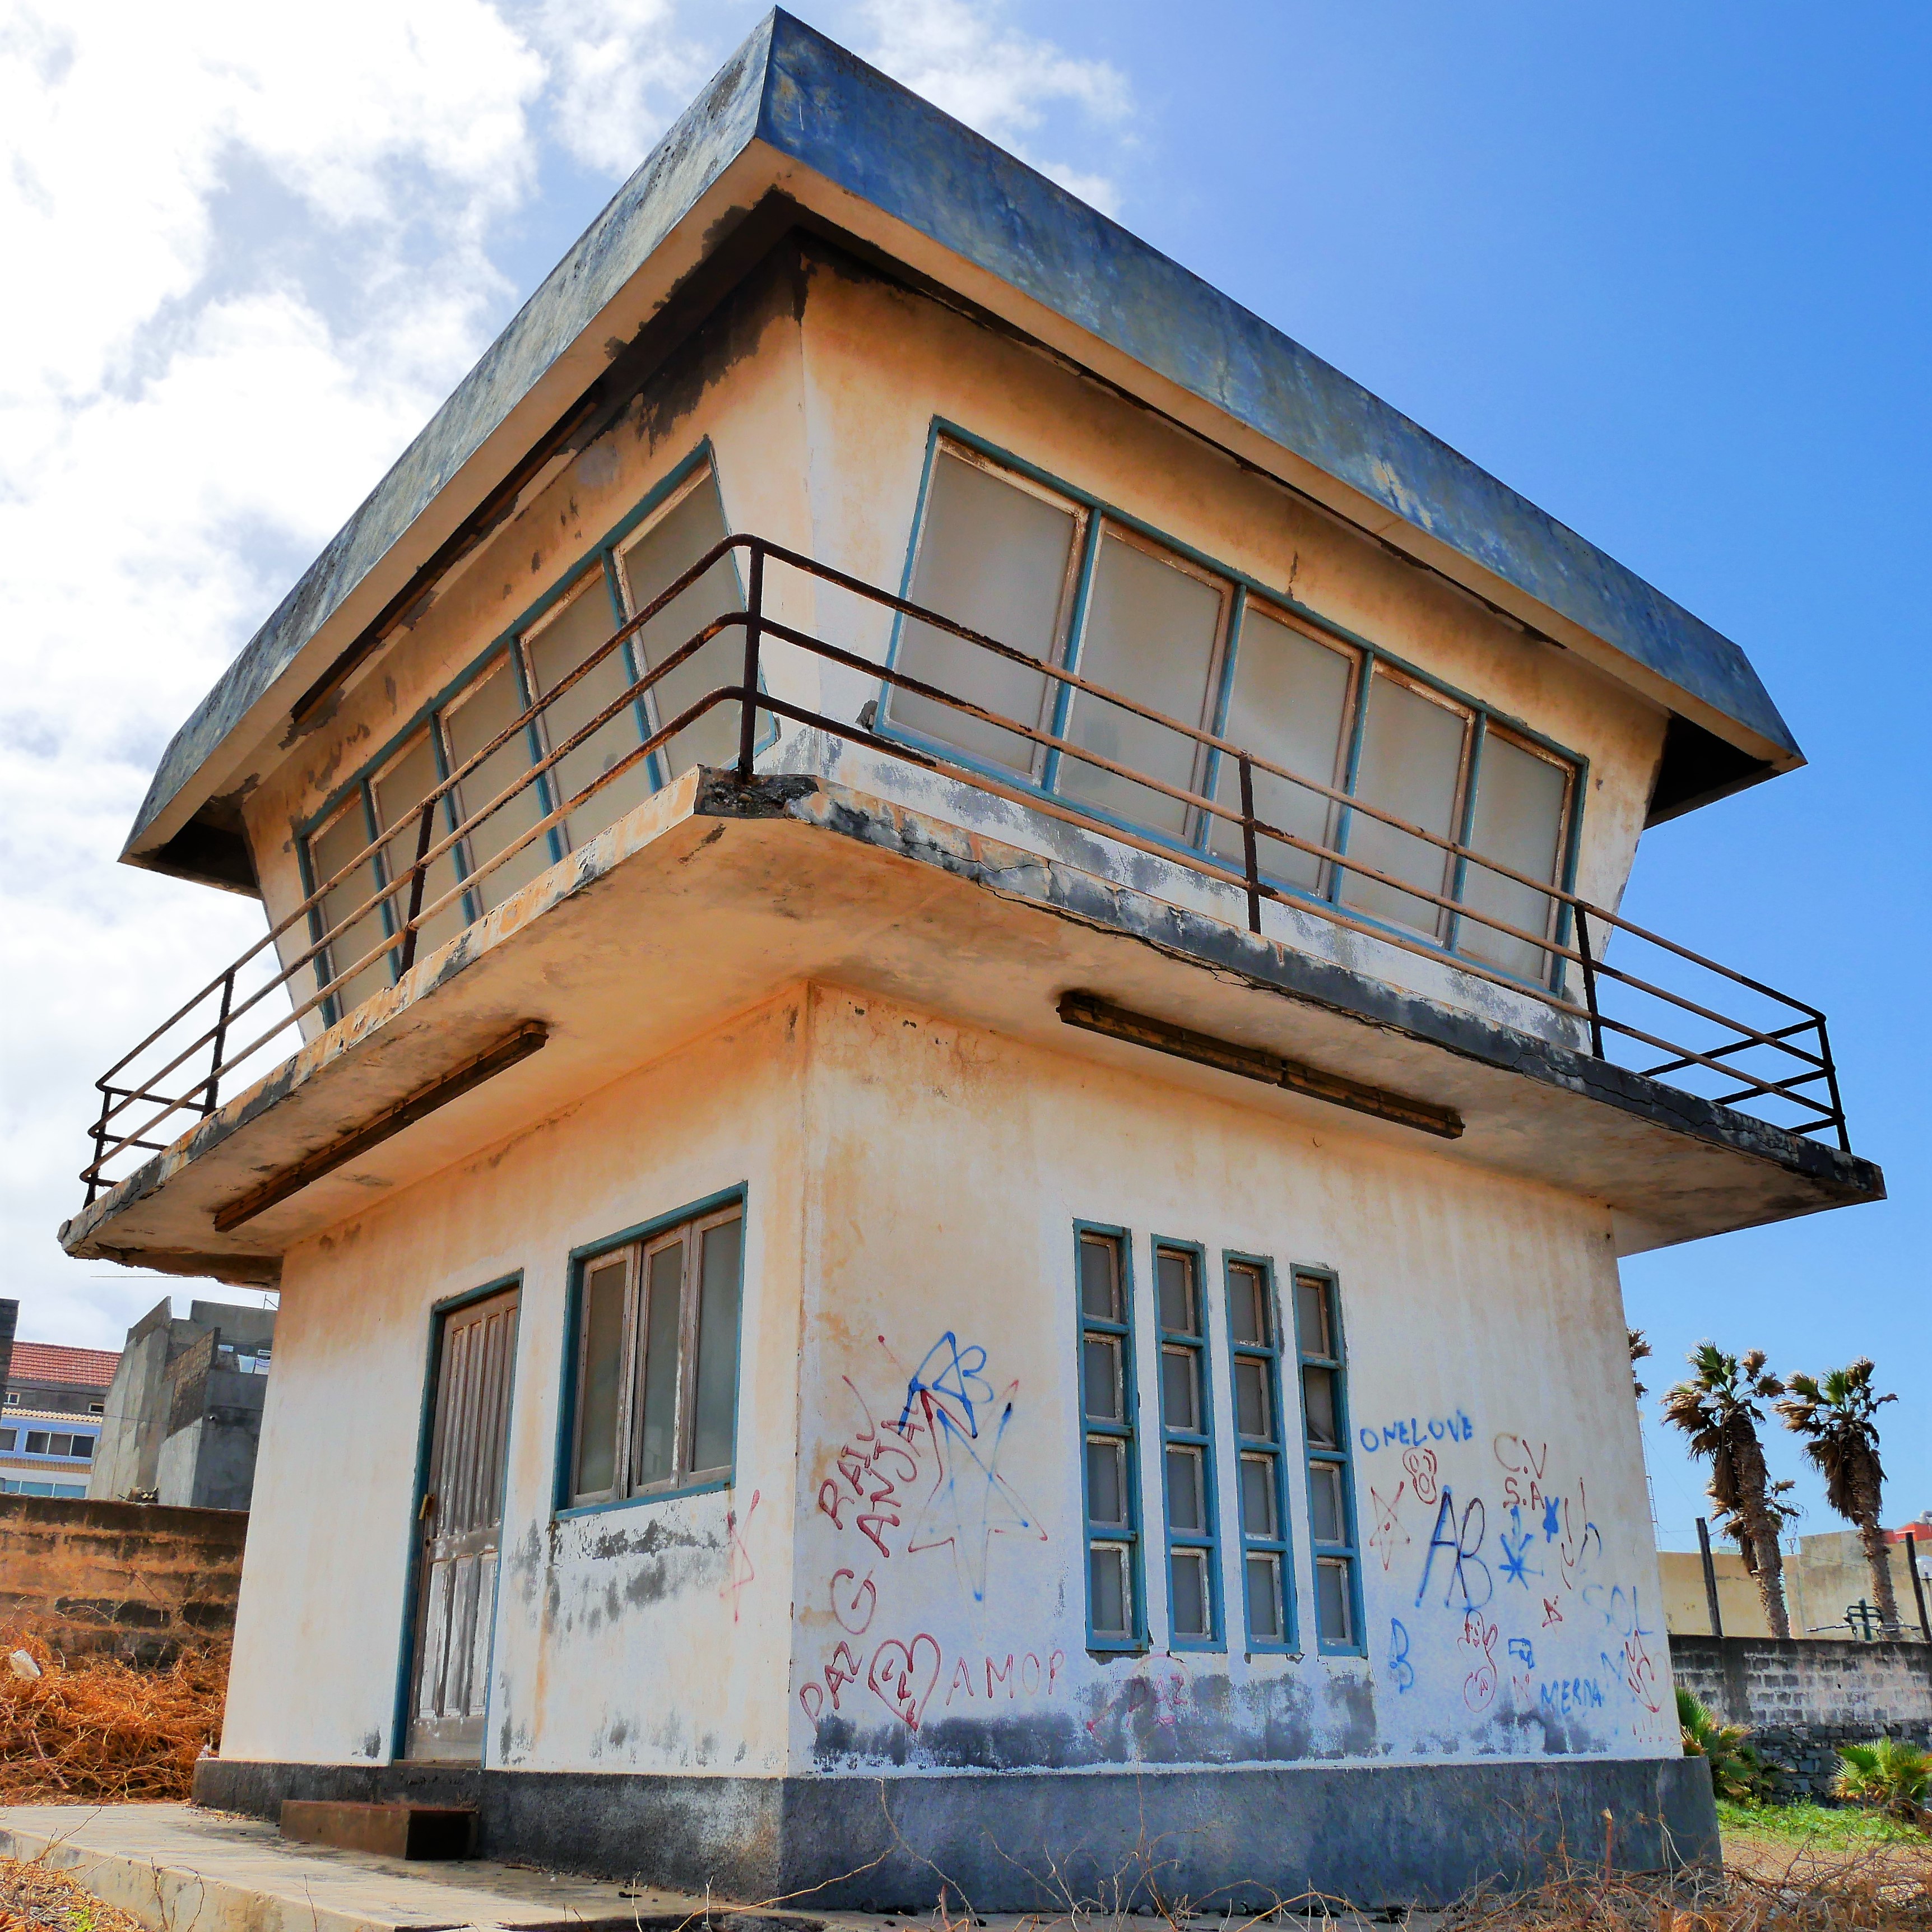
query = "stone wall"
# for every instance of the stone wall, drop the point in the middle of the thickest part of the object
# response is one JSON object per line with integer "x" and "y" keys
{"x": 1804, "y": 1698}
{"x": 134, "y": 1578}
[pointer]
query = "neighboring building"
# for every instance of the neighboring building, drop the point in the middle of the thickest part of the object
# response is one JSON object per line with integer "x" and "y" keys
{"x": 185, "y": 1415}
{"x": 1825, "y": 1579}
{"x": 45, "y": 1452}
{"x": 56, "y": 1380}
{"x": 51, "y": 1426}
{"x": 903, "y": 1284}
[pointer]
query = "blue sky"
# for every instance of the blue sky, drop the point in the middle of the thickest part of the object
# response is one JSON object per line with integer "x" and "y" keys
{"x": 1664, "y": 270}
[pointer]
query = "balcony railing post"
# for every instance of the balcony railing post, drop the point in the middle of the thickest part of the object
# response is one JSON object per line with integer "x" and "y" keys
{"x": 100, "y": 1142}
{"x": 1250, "y": 862}
{"x": 1589, "y": 966}
{"x": 211, "y": 1098}
{"x": 1831, "y": 1087}
{"x": 748, "y": 699}
{"x": 416, "y": 874}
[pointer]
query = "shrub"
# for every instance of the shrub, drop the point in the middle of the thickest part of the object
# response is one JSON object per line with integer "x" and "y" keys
{"x": 1887, "y": 1775}
{"x": 1737, "y": 1771}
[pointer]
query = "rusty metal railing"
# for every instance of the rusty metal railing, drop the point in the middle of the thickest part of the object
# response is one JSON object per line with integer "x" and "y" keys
{"x": 1788, "y": 1033}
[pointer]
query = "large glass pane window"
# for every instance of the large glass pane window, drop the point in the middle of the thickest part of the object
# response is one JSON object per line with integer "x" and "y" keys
{"x": 398, "y": 790}
{"x": 657, "y": 1362}
{"x": 1290, "y": 702}
{"x": 1522, "y": 809}
{"x": 1255, "y": 1352}
{"x": 1413, "y": 744}
{"x": 1331, "y": 1496}
{"x": 1153, "y": 633}
{"x": 1110, "y": 1474}
{"x": 649, "y": 563}
{"x": 476, "y": 718}
{"x": 999, "y": 557}
{"x": 565, "y": 637}
{"x": 1187, "y": 1448}
{"x": 347, "y": 833}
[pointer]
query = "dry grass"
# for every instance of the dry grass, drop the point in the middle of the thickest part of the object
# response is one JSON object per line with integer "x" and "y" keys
{"x": 96, "y": 1728}
{"x": 35, "y": 1898}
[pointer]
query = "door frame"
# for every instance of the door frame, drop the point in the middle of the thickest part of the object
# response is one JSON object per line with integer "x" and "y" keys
{"x": 440, "y": 1312}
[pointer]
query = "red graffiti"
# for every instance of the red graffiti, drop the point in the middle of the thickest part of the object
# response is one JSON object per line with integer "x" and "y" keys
{"x": 1389, "y": 1534}
{"x": 1551, "y": 1614}
{"x": 855, "y": 1614}
{"x": 902, "y": 1680}
{"x": 1479, "y": 1688}
{"x": 1421, "y": 1465}
{"x": 742, "y": 1570}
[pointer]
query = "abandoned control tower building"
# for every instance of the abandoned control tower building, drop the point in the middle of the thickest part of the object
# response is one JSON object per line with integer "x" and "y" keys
{"x": 944, "y": 1085}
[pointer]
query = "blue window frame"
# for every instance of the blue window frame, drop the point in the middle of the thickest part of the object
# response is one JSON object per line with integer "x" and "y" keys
{"x": 627, "y": 568}
{"x": 1331, "y": 1488}
{"x": 1109, "y": 1461}
{"x": 1261, "y": 1450}
{"x": 656, "y": 1320}
{"x": 1244, "y": 662}
{"x": 1187, "y": 1447}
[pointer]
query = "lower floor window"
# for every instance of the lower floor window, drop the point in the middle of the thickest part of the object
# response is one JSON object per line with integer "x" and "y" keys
{"x": 657, "y": 1360}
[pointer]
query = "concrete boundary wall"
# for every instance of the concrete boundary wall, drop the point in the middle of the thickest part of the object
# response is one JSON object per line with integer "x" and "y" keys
{"x": 134, "y": 1578}
{"x": 1804, "y": 1698}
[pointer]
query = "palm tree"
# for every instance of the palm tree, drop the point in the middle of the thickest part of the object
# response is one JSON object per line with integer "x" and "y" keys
{"x": 1717, "y": 1409}
{"x": 1640, "y": 1347}
{"x": 1834, "y": 1414}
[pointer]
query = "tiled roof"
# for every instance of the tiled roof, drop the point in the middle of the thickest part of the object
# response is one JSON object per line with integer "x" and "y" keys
{"x": 50, "y": 1362}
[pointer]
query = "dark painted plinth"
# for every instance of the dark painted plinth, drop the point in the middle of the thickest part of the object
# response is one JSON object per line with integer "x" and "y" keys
{"x": 1380, "y": 1835}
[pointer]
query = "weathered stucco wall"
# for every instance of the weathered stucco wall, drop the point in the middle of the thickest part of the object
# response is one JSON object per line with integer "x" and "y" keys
{"x": 1511, "y": 1584}
{"x": 817, "y": 386}
{"x": 913, "y": 1186}
{"x": 607, "y": 1652}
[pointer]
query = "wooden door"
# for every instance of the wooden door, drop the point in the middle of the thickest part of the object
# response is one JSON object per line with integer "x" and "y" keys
{"x": 460, "y": 1522}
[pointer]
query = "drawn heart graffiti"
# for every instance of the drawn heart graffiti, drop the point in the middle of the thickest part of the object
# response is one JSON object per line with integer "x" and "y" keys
{"x": 900, "y": 1677}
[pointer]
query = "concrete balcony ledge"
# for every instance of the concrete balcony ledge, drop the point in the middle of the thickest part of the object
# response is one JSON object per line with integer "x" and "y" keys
{"x": 713, "y": 896}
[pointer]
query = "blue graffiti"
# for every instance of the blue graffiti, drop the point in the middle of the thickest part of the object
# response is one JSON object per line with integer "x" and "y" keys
{"x": 1551, "y": 1518}
{"x": 1400, "y": 1669}
{"x": 1520, "y": 1647}
{"x": 1515, "y": 1542}
{"x": 1464, "y": 1539}
{"x": 960, "y": 1379}
{"x": 1417, "y": 1433}
{"x": 1566, "y": 1695}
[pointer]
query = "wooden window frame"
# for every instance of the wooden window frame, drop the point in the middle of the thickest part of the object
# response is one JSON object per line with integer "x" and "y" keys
{"x": 1206, "y": 1541}
{"x": 690, "y": 1227}
{"x": 1280, "y": 1547}
{"x": 1125, "y": 1432}
{"x": 1347, "y": 1552}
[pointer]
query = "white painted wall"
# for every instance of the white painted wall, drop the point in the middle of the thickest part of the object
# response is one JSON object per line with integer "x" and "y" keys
{"x": 910, "y": 1179}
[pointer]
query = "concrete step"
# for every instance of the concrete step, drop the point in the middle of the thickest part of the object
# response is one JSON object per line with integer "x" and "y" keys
{"x": 397, "y": 1831}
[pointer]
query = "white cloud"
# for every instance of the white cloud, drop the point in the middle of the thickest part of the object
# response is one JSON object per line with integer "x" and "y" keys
{"x": 248, "y": 255}
{"x": 967, "y": 59}
{"x": 620, "y": 71}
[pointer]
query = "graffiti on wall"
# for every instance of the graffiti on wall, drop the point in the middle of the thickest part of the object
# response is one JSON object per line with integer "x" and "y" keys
{"x": 919, "y": 1476}
{"x": 1500, "y": 1550}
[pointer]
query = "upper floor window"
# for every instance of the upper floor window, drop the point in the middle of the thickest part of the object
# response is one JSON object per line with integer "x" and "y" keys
{"x": 656, "y": 1360}
{"x": 1061, "y": 580}
{"x": 504, "y": 850}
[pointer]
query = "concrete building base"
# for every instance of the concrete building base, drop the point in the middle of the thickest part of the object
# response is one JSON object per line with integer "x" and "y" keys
{"x": 1246, "y": 1838}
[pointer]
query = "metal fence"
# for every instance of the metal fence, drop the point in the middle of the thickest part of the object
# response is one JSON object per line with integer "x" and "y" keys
{"x": 1773, "y": 1056}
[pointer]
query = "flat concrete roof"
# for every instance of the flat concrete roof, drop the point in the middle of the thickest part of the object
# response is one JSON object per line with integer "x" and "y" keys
{"x": 792, "y": 114}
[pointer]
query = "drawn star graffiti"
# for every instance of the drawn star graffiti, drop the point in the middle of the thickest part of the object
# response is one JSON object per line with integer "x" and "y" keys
{"x": 1389, "y": 1535}
{"x": 970, "y": 1502}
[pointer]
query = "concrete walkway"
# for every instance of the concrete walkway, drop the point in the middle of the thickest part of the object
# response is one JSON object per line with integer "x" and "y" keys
{"x": 178, "y": 1869}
